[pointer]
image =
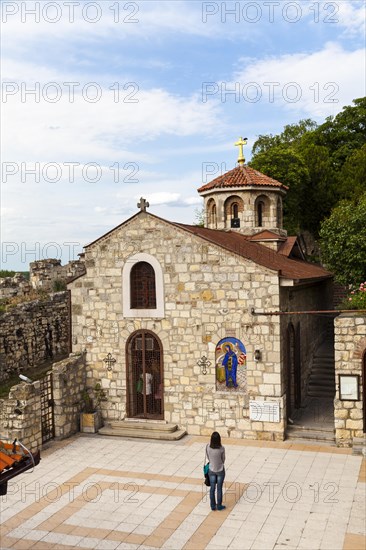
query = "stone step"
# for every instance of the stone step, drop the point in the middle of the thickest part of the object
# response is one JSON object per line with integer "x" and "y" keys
{"x": 323, "y": 370}
{"x": 298, "y": 427}
{"x": 145, "y": 434}
{"x": 161, "y": 426}
{"x": 323, "y": 363}
{"x": 312, "y": 435}
{"x": 321, "y": 383}
{"x": 321, "y": 392}
{"x": 359, "y": 446}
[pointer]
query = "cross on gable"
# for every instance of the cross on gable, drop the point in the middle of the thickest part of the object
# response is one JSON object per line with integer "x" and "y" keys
{"x": 143, "y": 204}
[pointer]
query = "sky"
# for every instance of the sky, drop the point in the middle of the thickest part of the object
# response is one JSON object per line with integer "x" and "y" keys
{"x": 106, "y": 102}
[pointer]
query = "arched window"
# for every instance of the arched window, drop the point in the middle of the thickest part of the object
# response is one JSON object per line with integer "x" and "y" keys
{"x": 234, "y": 210}
{"x": 142, "y": 284}
{"x": 213, "y": 216}
{"x": 260, "y": 209}
{"x": 279, "y": 213}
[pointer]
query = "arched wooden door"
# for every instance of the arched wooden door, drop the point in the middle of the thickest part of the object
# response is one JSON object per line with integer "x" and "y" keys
{"x": 144, "y": 360}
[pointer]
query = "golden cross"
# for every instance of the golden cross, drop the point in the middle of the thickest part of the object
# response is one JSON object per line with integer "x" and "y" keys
{"x": 240, "y": 143}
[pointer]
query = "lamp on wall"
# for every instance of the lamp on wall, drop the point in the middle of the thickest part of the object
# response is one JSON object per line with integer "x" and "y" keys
{"x": 257, "y": 355}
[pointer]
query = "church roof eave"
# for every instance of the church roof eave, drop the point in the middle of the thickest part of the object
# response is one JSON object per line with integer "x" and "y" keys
{"x": 239, "y": 244}
{"x": 241, "y": 177}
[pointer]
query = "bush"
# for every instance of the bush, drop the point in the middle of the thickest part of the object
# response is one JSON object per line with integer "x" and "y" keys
{"x": 59, "y": 285}
{"x": 356, "y": 298}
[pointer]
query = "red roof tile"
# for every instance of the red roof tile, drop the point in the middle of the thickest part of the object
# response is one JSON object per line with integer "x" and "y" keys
{"x": 239, "y": 177}
{"x": 260, "y": 254}
{"x": 239, "y": 244}
{"x": 266, "y": 235}
{"x": 286, "y": 248}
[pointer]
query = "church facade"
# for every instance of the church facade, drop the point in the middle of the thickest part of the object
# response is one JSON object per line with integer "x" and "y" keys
{"x": 185, "y": 324}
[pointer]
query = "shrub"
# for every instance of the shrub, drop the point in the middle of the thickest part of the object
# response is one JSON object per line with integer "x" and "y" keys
{"x": 356, "y": 299}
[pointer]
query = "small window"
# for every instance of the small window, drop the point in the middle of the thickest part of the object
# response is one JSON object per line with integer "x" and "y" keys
{"x": 260, "y": 209}
{"x": 234, "y": 210}
{"x": 143, "y": 292}
{"x": 213, "y": 216}
{"x": 279, "y": 213}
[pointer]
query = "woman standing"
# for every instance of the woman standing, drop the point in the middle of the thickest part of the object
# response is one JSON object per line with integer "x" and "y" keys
{"x": 216, "y": 457}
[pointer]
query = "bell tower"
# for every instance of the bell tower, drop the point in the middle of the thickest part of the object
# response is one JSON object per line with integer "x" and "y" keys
{"x": 244, "y": 200}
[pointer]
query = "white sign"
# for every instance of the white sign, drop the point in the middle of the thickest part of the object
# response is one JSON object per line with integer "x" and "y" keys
{"x": 264, "y": 411}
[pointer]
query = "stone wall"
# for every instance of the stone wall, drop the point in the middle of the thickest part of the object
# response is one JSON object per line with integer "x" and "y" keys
{"x": 69, "y": 382}
{"x": 17, "y": 285}
{"x": 20, "y": 414}
{"x": 32, "y": 333}
{"x": 350, "y": 354}
{"x": 44, "y": 273}
{"x": 208, "y": 295}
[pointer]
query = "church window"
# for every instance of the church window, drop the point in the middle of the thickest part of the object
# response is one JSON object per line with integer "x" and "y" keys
{"x": 260, "y": 209}
{"x": 279, "y": 213}
{"x": 143, "y": 292}
{"x": 211, "y": 214}
{"x": 235, "y": 220}
{"x": 233, "y": 210}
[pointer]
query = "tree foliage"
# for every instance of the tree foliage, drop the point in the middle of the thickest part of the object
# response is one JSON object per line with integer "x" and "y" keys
{"x": 321, "y": 165}
{"x": 343, "y": 241}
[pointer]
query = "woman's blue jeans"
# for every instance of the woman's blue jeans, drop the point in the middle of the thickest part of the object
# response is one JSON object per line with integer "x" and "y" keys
{"x": 216, "y": 479}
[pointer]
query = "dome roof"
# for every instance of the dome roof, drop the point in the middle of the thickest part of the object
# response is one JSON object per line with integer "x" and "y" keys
{"x": 241, "y": 176}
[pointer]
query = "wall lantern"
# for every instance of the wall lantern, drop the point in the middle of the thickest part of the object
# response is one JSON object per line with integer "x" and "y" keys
{"x": 257, "y": 355}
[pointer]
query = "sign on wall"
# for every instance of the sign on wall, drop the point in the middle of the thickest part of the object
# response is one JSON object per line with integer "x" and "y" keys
{"x": 231, "y": 360}
{"x": 264, "y": 411}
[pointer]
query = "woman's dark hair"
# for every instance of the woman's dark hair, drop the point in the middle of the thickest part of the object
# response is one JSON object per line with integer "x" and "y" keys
{"x": 215, "y": 442}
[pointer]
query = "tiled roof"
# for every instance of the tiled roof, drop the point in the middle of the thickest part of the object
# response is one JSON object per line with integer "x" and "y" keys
{"x": 286, "y": 248}
{"x": 260, "y": 254}
{"x": 266, "y": 235}
{"x": 239, "y": 177}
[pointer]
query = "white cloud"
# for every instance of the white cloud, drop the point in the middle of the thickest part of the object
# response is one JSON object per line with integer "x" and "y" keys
{"x": 351, "y": 16}
{"x": 321, "y": 82}
{"x": 39, "y": 128}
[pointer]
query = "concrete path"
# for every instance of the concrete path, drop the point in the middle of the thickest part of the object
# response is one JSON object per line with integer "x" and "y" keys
{"x": 113, "y": 493}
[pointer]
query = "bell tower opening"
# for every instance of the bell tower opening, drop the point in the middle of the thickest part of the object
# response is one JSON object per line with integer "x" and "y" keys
{"x": 233, "y": 208}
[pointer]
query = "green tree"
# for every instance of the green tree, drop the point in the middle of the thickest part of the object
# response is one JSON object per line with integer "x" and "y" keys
{"x": 291, "y": 136}
{"x": 287, "y": 166}
{"x": 343, "y": 241}
{"x": 320, "y": 193}
{"x": 344, "y": 133}
{"x": 326, "y": 164}
{"x": 352, "y": 178}
{"x": 199, "y": 215}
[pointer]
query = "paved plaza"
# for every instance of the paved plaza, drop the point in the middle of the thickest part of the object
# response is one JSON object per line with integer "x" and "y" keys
{"x": 114, "y": 493}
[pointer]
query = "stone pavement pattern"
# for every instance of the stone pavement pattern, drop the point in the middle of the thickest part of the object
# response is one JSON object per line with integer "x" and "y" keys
{"x": 113, "y": 493}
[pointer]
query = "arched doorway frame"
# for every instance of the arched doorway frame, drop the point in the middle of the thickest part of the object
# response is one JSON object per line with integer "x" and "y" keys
{"x": 138, "y": 406}
{"x": 364, "y": 389}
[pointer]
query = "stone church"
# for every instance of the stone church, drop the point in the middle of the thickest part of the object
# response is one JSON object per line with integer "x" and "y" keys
{"x": 192, "y": 325}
